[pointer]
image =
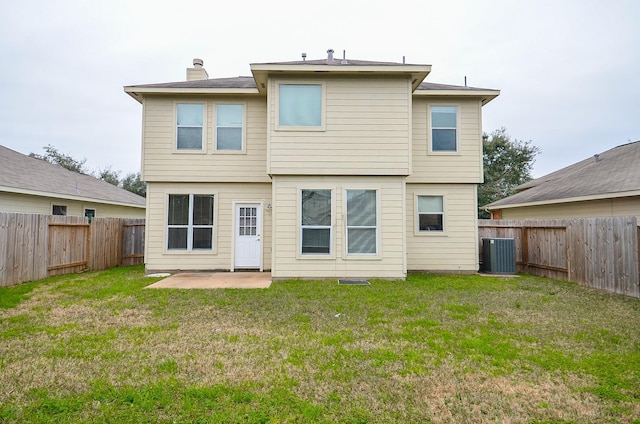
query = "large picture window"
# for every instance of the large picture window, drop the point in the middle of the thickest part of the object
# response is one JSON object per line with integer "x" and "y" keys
{"x": 190, "y": 222}
{"x": 316, "y": 222}
{"x": 444, "y": 128}
{"x": 300, "y": 105}
{"x": 430, "y": 213}
{"x": 362, "y": 222}
{"x": 229, "y": 120}
{"x": 190, "y": 130}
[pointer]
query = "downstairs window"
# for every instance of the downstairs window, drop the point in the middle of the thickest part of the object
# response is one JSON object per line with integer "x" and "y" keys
{"x": 316, "y": 229}
{"x": 430, "y": 213}
{"x": 190, "y": 222}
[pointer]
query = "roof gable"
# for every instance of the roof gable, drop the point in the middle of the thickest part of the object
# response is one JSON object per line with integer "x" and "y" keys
{"x": 22, "y": 173}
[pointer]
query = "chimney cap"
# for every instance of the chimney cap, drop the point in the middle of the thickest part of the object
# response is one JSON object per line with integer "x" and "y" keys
{"x": 198, "y": 62}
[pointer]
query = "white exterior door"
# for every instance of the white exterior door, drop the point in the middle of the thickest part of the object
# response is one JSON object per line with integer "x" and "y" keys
{"x": 248, "y": 229}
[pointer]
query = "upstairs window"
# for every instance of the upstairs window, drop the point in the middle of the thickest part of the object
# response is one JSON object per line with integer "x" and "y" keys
{"x": 229, "y": 121}
{"x": 430, "y": 213}
{"x": 190, "y": 222}
{"x": 362, "y": 222}
{"x": 189, "y": 131}
{"x": 300, "y": 105}
{"x": 444, "y": 128}
{"x": 316, "y": 222}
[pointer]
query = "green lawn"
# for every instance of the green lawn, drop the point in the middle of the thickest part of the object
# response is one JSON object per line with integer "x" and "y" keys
{"x": 96, "y": 347}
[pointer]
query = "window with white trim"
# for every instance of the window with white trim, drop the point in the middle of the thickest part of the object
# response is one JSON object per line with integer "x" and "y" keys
{"x": 362, "y": 222}
{"x": 444, "y": 128}
{"x": 90, "y": 213}
{"x": 430, "y": 213}
{"x": 189, "y": 126}
{"x": 190, "y": 222}
{"x": 300, "y": 105}
{"x": 315, "y": 225}
{"x": 59, "y": 210}
{"x": 229, "y": 122}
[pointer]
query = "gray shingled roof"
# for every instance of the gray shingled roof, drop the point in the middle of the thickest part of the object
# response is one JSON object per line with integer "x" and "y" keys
{"x": 338, "y": 62}
{"x": 249, "y": 82}
{"x": 614, "y": 172}
{"x": 432, "y": 86}
{"x": 233, "y": 82}
{"x": 21, "y": 172}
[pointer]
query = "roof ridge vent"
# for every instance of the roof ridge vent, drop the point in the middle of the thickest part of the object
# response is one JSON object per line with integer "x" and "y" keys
{"x": 344, "y": 57}
{"x": 330, "y": 55}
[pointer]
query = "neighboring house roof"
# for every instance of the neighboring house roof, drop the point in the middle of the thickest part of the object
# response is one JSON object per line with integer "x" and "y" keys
{"x": 614, "y": 173}
{"x": 27, "y": 175}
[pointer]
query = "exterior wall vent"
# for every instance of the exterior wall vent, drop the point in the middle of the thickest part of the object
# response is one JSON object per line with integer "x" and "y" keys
{"x": 499, "y": 255}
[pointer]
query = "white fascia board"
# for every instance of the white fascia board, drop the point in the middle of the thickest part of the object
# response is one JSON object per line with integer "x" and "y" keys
{"x": 485, "y": 95}
{"x": 568, "y": 200}
{"x": 138, "y": 92}
{"x": 67, "y": 197}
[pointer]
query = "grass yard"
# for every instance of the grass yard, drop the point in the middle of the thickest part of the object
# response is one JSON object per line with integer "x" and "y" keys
{"x": 96, "y": 347}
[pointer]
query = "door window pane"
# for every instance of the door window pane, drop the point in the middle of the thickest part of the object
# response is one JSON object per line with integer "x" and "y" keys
{"x": 248, "y": 221}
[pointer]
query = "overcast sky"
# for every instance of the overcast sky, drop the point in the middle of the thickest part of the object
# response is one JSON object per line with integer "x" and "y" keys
{"x": 568, "y": 71}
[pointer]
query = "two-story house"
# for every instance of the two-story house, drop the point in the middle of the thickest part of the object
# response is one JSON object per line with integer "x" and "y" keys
{"x": 332, "y": 168}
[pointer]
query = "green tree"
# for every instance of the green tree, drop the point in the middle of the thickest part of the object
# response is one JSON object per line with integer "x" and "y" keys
{"x": 109, "y": 175}
{"x": 53, "y": 156}
{"x": 133, "y": 184}
{"x": 507, "y": 164}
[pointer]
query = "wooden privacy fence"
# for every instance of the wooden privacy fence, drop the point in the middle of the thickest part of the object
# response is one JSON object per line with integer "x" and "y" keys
{"x": 596, "y": 252}
{"x": 39, "y": 246}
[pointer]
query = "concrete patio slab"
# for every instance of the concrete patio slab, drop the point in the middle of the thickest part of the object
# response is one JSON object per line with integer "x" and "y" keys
{"x": 215, "y": 280}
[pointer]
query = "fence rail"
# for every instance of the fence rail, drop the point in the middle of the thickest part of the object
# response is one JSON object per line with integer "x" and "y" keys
{"x": 39, "y": 246}
{"x": 597, "y": 252}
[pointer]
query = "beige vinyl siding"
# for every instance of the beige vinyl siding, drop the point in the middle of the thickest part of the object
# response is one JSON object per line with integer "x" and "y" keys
{"x": 25, "y": 203}
{"x": 463, "y": 166}
{"x": 163, "y": 163}
{"x": 156, "y": 256}
{"x": 288, "y": 261}
{"x": 367, "y": 130}
{"x": 456, "y": 248}
{"x": 619, "y": 206}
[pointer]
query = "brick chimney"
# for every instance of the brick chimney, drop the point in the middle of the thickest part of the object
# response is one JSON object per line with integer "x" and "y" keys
{"x": 197, "y": 72}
